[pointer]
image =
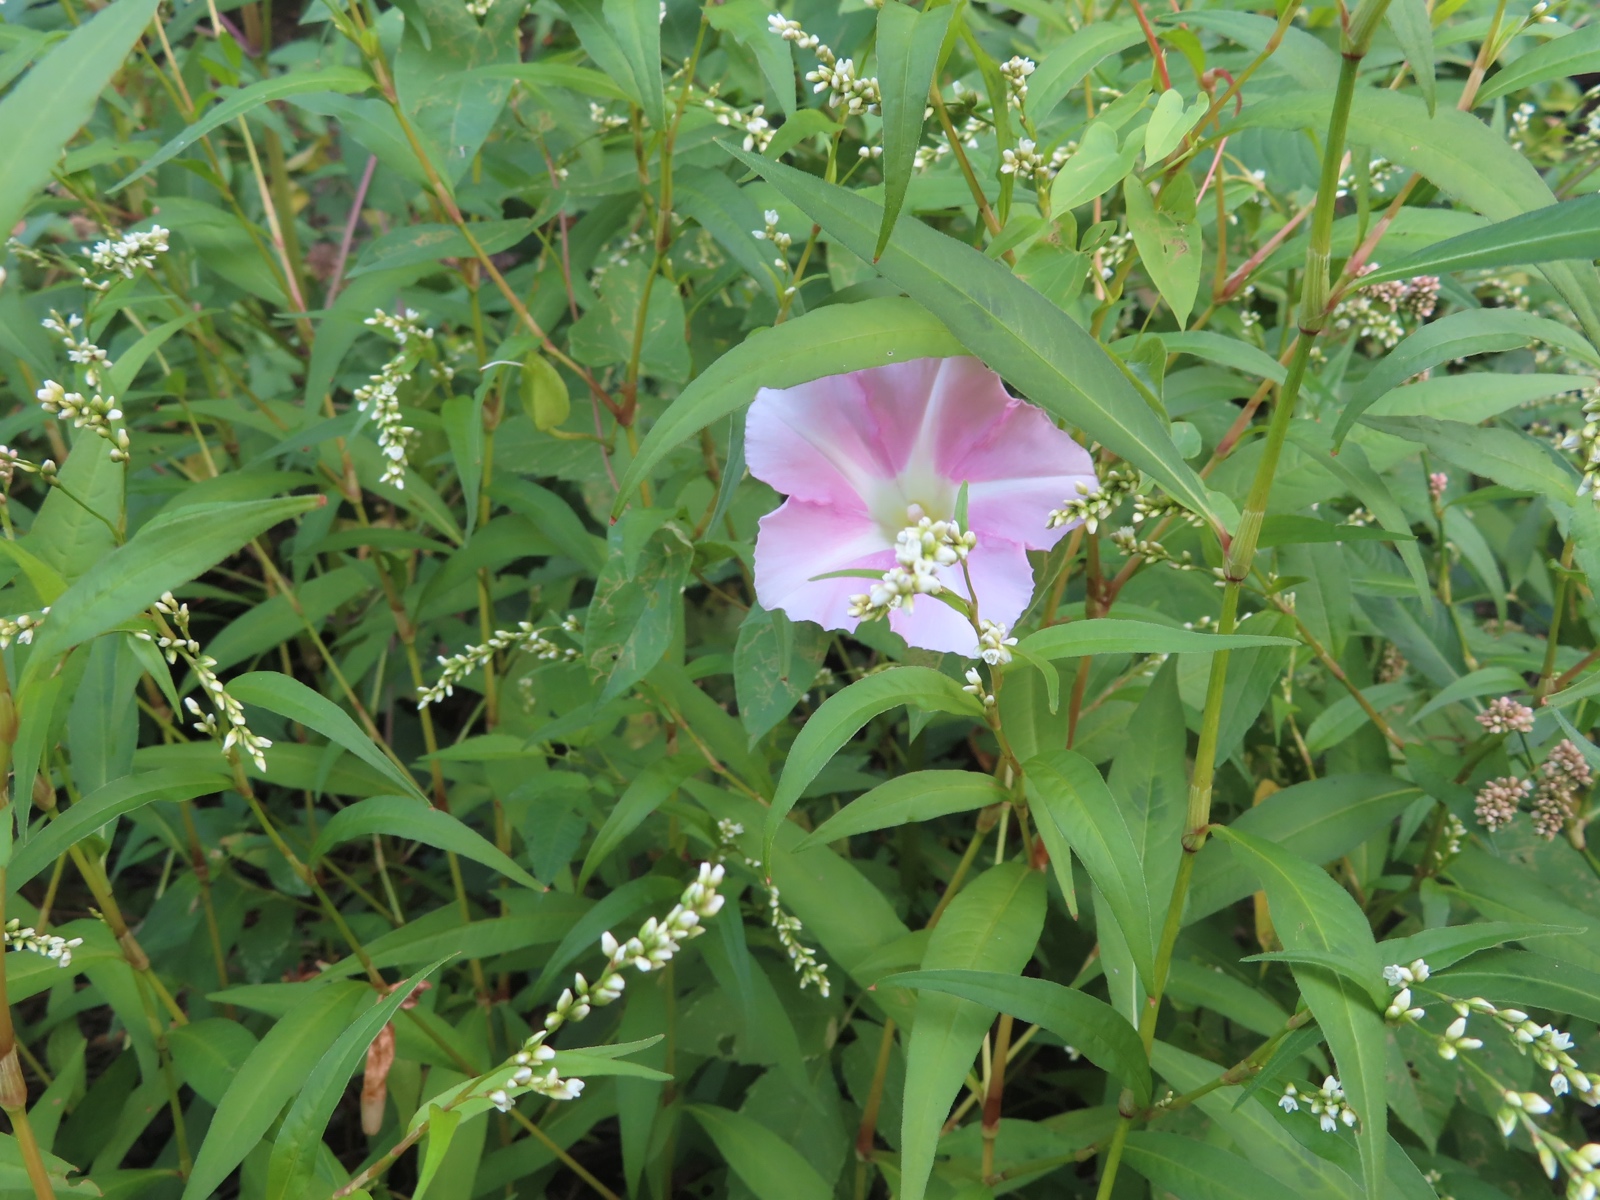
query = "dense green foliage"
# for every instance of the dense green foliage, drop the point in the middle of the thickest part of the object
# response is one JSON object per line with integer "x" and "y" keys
{"x": 381, "y": 633}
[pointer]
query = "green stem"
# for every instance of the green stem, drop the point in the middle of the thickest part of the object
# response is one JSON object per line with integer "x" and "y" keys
{"x": 1241, "y": 550}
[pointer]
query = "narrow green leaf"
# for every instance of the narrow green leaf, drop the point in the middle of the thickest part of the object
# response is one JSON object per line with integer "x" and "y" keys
{"x": 1196, "y": 1170}
{"x": 999, "y": 318}
{"x": 165, "y": 554}
{"x": 624, "y": 39}
{"x": 1457, "y": 335}
{"x": 1530, "y": 981}
{"x": 646, "y": 792}
{"x": 107, "y": 803}
{"x": 1319, "y": 820}
{"x": 442, "y": 1124}
{"x": 1071, "y": 801}
{"x": 412, "y": 818}
{"x": 273, "y": 1073}
{"x": 1089, "y": 1025}
{"x": 288, "y": 697}
{"x": 414, "y": 244}
{"x": 1345, "y": 716}
{"x": 908, "y": 53}
{"x": 300, "y": 1136}
{"x": 919, "y": 796}
{"x": 1313, "y": 913}
{"x": 766, "y": 1164}
{"x": 343, "y": 80}
{"x": 1507, "y": 456}
{"x": 992, "y": 926}
{"x": 842, "y": 715}
{"x": 1412, "y": 26}
{"x": 1441, "y": 948}
{"x": 52, "y": 102}
{"x": 1113, "y": 635}
{"x": 1064, "y": 67}
{"x": 1575, "y": 53}
{"x": 1569, "y": 230}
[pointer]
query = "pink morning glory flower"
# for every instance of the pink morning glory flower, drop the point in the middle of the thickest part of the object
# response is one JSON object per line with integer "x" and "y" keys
{"x": 864, "y": 456}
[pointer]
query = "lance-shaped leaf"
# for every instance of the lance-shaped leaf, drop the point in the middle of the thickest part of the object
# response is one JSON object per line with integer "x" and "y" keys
{"x": 1074, "y": 807}
{"x": 841, "y": 717}
{"x": 1089, "y": 1025}
{"x": 1312, "y": 913}
{"x": 1035, "y": 345}
{"x": 1569, "y": 230}
{"x": 991, "y": 926}
{"x": 908, "y": 55}
{"x": 919, "y": 796}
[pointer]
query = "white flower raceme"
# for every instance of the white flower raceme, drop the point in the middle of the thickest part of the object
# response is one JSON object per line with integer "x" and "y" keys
{"x": 127, "y": 254}
{"x": 653, "y": 947}
{"x": 1093, "y": 503}
{"x": 1326, "y": 1103}
{"x": 837, "y": 76}
{"x": 380, "y": 397}
{"x": 524, "y": 639}
{"x": 177, "y": 642}
{"x": 48, "y": 944}
{"x": 994, "y": 642}
{"x": 922, "y": 550}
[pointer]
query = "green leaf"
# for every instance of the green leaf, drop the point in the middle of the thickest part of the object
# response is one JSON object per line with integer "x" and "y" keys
{"x": 766, "y": 1164}
{"x": 273, "y": 1073}
{"x": 633, "y": 613}
{"x": 624, "y": 39}
{"x": 414, "y": 244}
{"x": 165, "y": 554}
{"x": 646, "y": 792}
{"x": 1443, "y": 947}
{"x": 1570, "y": 230}
{"x": 107, "y": 803}
{"x": 919, "y": 796}
{"x": 120, "y": 379}
{"x": 1167, "y": 238}
{"x": 1528, "y": 980}
{"x": 54, "y": 100}
{"x": 236, "y": 103}
{"x": 1319, "y": 820}
{"x": 1071, "y": 802}
{"x": 992, "y": 926}
{"x": 1412, "y": 26}
{"x": 288, "y": 697}
{"x": 746, "y": 20}
{"x": 300, "y": 1136}
{"x": 1455, "y": 151}
{"x": 47, "y": 582}
{"x": 775, "y": 662}
{"x": 1065, "y": 66}
{"x": 1169, "y": 123}
{"x": 209, "y": 1053}
{"x": 1488, "y": 681}
{"x": 412, "y": 818}
{"x": 1313, "y": 913}
{"x": 451, "y": 107}
{"x": 829, "y": 341}
{"x": 1575, "y": 53}
{"x": 1501, "y": 890}
{"x": 585, "y": 80}
{"x": 841, "y": 716}
{"x": 65, "y": 535}
{"x": 1113, "y": 635}
{"x": 1036, "y": 346}
{"x": 1345, "y": 716}
{"x": 1474, "y": 331}
{"x": 1219, "y": 348}
{"x": 1196, "y": 1170}
{"x": 1089, "y": 1025}
{"x": 441, "y": 1132}
{"x": 1507, "y": 456}
{"x": 1336, "y": 964}
{"x": 908, "y": 53}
